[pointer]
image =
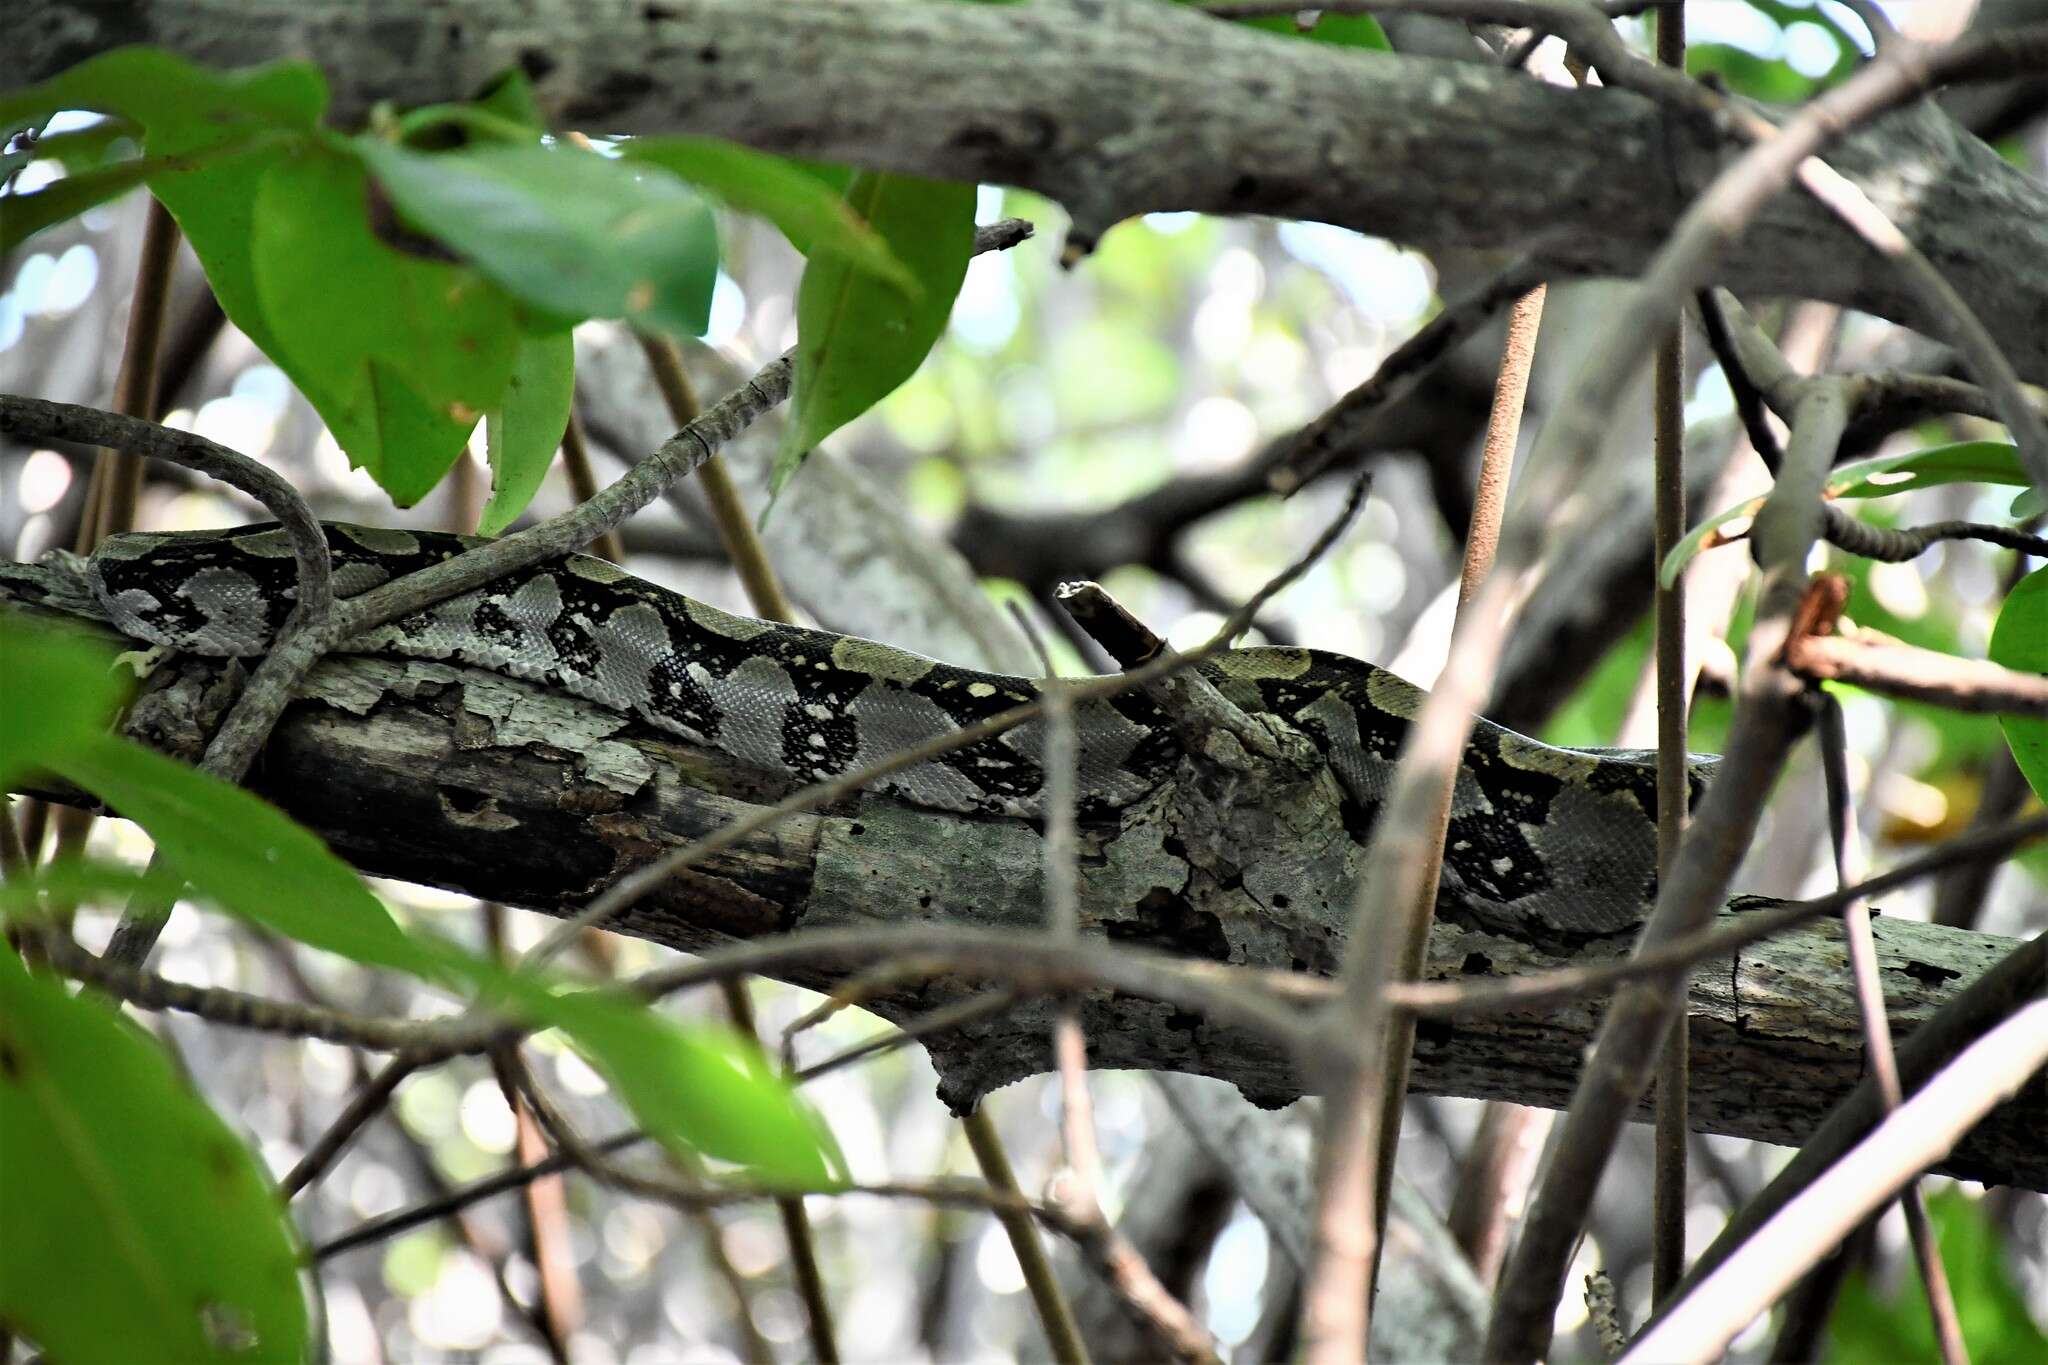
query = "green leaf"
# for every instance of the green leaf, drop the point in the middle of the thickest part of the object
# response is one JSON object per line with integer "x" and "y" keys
{"x": 74, "y": 881}
{"x": 522, "y": 435}
{"x": 858, "y": 337}
{"x": 230, "y": 129}
{"x": 1965, "y": 462}
{"x": 2031, "y": 503}
{"x": 403, "y": 360}
{"x": 1759, "y": 78}
{"x": 703, "y": 1089}
{"x": 1351, "y": 30}
{"x": 78, "y": 151}
{"x": 809, "y": 210}
{"x": 24, "y": 215}
{"x": 138, "y": 1226}
{"x": 509, "y": 95}
{"x": 576, "y": 234}
{"x": 73, "y": 693}
{"x": 2020, "y": 641}
{"x": 1338, "y": 30}
{"x": 90, "y": 148}
{"x": 242, "y": 852}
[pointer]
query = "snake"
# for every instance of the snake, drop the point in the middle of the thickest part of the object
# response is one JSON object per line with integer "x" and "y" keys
{"x": 1540, "y": 835}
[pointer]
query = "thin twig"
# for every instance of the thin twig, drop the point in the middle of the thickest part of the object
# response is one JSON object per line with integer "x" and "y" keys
{"x": 1674, "y": 1070}
{"x": 1632, "y": 1033}
{"x": 1447, "y": 999}
{"x": 1749, "y": 401}
{"x": 368, "y": 1101}
{"x": 1700, "y": 1325}
{"x": 1406, "y": 905}
{"x": 1895, "y": 545}
{"x": 1874, "y": 661}
{"x": 1063, "y": 1334}
{"x": 1877, "y": 1032}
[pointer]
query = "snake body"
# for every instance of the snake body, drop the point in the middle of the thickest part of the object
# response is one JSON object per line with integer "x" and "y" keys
{"x": 1562, "y": 838}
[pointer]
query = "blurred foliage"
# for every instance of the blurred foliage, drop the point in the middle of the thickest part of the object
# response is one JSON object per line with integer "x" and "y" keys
{"x": 138, "y": 1225}
{"x": 94, "y": 1089}
{"x": 1759, "y": 68}
{"x": 1998, "y": 1327}
{"x": 2020, "y": 640}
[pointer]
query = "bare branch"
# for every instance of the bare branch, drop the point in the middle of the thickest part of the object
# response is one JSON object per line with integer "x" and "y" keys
{"x": 1700, "y": 1326}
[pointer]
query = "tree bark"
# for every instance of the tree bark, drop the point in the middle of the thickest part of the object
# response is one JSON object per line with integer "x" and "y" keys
{"x": 1116, "y": 108}
{"x": 459, "y": 778}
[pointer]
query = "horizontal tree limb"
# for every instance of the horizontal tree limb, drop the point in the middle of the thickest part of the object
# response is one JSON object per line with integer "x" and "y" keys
{"x": 1878, "y": 662}
{"x": 462, "y": 779}
{"x": 1116, "y": 108}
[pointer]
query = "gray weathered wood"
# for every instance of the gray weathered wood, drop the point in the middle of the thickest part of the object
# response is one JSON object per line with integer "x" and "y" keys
{"x": 1115, "y": 108}
{"x": 463, "y": 779}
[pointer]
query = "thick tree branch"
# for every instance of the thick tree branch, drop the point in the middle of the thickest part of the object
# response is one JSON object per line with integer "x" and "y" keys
{"x": 1117, "y": 108}
{"x": 463, "y": 779}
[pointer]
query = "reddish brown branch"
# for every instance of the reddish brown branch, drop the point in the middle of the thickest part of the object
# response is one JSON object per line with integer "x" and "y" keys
{"x": 1872, "y": 660}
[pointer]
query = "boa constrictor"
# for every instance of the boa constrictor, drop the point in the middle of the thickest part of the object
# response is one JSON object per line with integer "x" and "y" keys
{"x": 1563, "y": 838}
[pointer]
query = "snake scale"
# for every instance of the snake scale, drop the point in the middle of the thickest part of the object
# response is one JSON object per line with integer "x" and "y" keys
{"x": 1563, "y": 838}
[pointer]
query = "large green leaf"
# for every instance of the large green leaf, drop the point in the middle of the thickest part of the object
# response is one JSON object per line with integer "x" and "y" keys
{"x": 809, "y": 210}
{"x": 523, "y": 433}
{"x": 400, "y": 353}
{"x": 697, "y": 1088}
{"x": 1994, "y": 462}
{"x": 74, "y": 881}
{"x": 576, "y": 234}
{"x": 1964, "y": 462}
{"x": 2020, "y": 640}
{"x": 78, "y": 150}
{"x": 226, "y": 132}
{"x": 24, "y": 215}
{"x": 858, "y": 337}
{"x": 137, "y": 1227}
{"x": 64, "y": 691}
{"x": 242, "y": 852}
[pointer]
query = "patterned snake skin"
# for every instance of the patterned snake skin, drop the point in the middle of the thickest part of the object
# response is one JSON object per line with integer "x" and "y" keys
{"x": 1561, "y": 837}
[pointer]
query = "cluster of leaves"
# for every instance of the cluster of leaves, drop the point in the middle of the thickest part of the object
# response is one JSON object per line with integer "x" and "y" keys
{"x": 150, "y": 1231}
{"x": 412, "y": 280}
{"x": 424, "y": 275}
{"x": 2020, "y": 638}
